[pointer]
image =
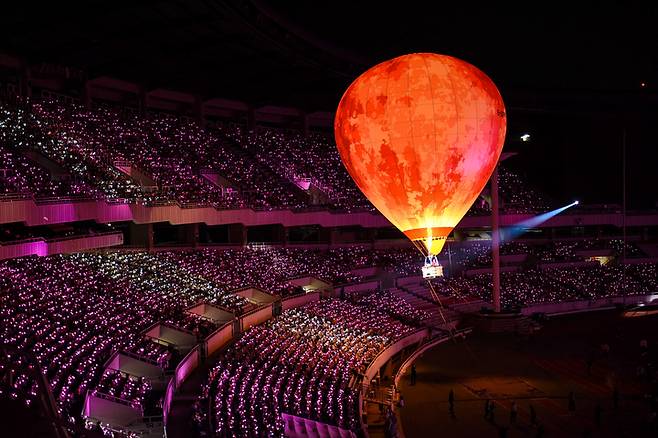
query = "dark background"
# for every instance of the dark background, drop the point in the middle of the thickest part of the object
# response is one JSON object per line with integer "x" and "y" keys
{"x": 569, "y": 72}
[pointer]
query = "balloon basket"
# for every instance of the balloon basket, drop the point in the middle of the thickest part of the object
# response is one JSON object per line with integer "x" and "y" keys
{"x": 432, "y": 268}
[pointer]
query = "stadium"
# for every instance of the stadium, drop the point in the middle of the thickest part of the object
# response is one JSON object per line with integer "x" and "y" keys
{"x": 241, "y": 219}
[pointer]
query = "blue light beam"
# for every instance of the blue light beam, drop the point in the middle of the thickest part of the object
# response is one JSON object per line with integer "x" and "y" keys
{"x": 514, "y": 231}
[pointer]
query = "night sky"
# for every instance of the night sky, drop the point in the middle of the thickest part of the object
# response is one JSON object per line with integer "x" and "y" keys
{"x": 569, "y": 72}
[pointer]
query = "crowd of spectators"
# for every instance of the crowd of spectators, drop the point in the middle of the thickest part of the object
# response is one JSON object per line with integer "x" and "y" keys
{"x": 120, "y": 154}
{"x": 517, "y": 196}
{"x": 21, "y": 176}
{"x": 73, "y": 311}
{"x": 396, "y": 306}
{"x": 124, "y": 387}
{"x": 578, "y": 249}
{"x": 313, "y": 157}
{"x": 305, "y": 362}
{"x": 71, "y": 318}
{"x": 271, "y": 268}
{"x": 477, "y": 253}
{"x": 532, "y": 285}
{"x": 24, "y": 132}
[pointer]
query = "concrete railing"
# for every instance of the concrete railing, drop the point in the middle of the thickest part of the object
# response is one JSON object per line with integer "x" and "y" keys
{"x": 66, "y": 210}
{"x": 34, "y": 214}
{"x": 393, "y": 349}
{"x": 255, "y": 317}
{"x": 220, "y": 337}
{"x": 62, "y": 245}
{"x": 186, "y": 366}
{"x": 299, "y": 300}
{"x": 359, "y": 287}
{"x": 589, "y": 305}
{"x": 423, "y": 348}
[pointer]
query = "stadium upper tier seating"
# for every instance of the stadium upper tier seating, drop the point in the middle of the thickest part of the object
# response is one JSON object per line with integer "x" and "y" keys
{"x": 54, "y": 149}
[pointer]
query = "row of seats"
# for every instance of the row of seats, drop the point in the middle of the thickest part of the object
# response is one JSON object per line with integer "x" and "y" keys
{"x": 397, "y": 306}
{"x": 124, "y": 387}
{"x": 530, "y": 286}
{"x": 167, "y": 157}
{"x": 73, "y": 311}
{"x": 478, "y": 253}
{"x": 304, "y": 362}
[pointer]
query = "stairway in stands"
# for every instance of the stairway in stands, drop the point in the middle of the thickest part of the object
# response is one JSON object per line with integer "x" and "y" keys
{"x": 420, "y": 297}
{"x": 265, "y": 168}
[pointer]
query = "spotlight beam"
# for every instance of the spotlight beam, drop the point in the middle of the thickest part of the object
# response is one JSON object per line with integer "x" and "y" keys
{"x": 510, "y": 233}
{"x": 513, "y": 231}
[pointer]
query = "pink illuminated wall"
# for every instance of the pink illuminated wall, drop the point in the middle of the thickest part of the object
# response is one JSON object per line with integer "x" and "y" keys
{"x": 219, "y": 338}
{"x": 29, "y": 212}
{"x": 256, "y": 317}
{"x": 189, "y": 363}
{"x": 32, "y": 214}
{"x": 42, "y": 247}
{"x": 301, "y": 300}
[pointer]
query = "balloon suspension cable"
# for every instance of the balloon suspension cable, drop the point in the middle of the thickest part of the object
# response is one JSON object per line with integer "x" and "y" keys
{"x": 435, "y": 297}
{"x": 420, "y": 247}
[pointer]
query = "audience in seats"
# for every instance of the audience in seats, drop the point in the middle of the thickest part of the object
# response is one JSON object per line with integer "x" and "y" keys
{"x": 72, "y": 312}
{"x": 122, "y": 155}
{"x": 305, "y": 362}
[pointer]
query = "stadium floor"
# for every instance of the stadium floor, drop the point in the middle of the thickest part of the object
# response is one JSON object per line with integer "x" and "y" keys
{"x": 540, "y": 371}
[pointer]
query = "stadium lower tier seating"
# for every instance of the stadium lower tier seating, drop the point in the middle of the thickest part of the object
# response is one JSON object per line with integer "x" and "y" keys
{"x": 535, "y": 286}
{"x": 72, "y": 312}
{"x": 305, "y": 362}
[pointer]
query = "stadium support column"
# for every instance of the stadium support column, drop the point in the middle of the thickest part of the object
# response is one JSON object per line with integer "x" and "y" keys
{"x": 141, "y": 235}
{"x": 26, "y": 80}
{"x": 200, "y": 110}
{"x": 280, "y": 234}
{"x": 334, "y": 237}
{"x": 371, "y": 237}
{"x": 149, "y": 237}
{"x": 286, "y": 236}
{"x": 87, "y": 94}
{"x": 141, "y": 99}
{"x": 191, "y": 235}
{"x": 237, "y": 234}
{"x": 495, "y": 241}
{"x": 251, "y": 118}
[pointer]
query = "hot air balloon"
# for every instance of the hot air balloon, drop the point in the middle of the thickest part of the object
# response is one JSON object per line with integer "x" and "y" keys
{"x": 420, "y": 135}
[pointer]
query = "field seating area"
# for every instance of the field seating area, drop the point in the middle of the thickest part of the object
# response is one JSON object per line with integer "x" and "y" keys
{"x": 535, "y": 286}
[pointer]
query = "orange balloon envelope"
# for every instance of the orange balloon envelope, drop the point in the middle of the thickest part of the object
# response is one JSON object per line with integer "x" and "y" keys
{"x": 420, "y": 135}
